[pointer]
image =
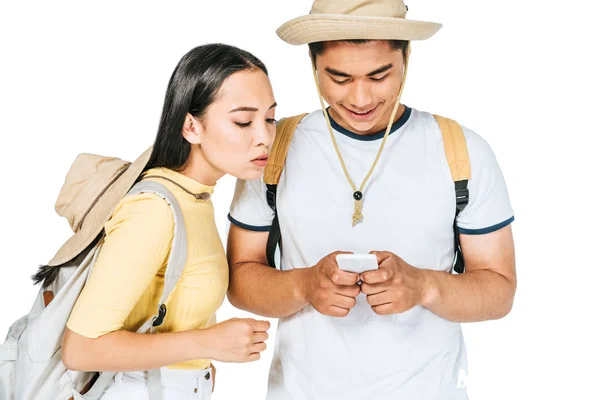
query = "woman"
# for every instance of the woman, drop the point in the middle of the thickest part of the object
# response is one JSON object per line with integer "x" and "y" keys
{"x": 218, "y": 118}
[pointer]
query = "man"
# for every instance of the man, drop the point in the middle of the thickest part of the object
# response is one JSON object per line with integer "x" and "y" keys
{"x": 367, "y": 175}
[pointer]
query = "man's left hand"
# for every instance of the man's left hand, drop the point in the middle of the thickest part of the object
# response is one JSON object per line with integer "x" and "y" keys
{"x": 395, "y": 287}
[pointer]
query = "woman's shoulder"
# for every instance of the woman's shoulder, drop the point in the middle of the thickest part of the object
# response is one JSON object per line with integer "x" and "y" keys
{"x": 142, "y": 211}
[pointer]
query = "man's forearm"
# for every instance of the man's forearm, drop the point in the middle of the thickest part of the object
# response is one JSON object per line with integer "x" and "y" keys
{"x": 266, "y": 291}
{"x": 470, "y": 297}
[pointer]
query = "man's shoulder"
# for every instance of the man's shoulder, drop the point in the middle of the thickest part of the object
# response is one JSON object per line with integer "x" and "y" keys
{"x": 311, "y": 120}
{"x": 430, "y": 123}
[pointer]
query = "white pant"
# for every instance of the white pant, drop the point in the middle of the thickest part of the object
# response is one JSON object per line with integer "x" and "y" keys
{"x": 176, "y": 385}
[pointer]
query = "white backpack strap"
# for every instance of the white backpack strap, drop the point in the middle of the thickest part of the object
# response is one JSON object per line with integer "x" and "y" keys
{"x": 179, "y": 250}
{"x": 9, "y": 351}
{"x": 175, "y": 265}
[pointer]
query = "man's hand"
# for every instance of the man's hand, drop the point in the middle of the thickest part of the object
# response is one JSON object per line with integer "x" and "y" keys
{"x": 330, "y": 290}
{"x": 395, "y": 287}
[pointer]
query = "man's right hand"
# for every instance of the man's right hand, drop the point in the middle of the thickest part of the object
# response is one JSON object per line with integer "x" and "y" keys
{"x": 330, "y": 290}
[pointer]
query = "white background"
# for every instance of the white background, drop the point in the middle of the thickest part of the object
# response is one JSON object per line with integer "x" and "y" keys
{"x": 90, "y": 77}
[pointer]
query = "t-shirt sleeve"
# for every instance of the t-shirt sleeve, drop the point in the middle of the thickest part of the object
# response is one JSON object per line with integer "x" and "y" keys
{"x": 138, "y": 240}
{"x": 249, "y": 208}
{"x": 489, "y": 207}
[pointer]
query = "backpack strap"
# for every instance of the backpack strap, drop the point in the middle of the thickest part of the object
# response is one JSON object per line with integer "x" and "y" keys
{"x": 175, "y": 266}
{"x": 177, "y": 256}
{"x": 285, "y": 132}
{"x": 457, "y": 155}
{"x": 9, "y": 351}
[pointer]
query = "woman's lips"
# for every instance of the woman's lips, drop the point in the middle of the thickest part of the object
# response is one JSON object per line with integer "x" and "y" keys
{"x": 261, "y": 161}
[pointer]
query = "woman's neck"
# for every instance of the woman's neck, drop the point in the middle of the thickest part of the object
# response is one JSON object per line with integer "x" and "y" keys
{"x": 199, "y": 169}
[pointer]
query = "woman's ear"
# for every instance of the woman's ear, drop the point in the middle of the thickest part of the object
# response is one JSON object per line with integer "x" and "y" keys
{"x": 192, "y": 129}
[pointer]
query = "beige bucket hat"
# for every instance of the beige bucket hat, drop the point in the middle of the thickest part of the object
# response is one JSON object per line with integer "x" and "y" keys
{"x": 356, "y": 19}
{"x": 93, "y": 188}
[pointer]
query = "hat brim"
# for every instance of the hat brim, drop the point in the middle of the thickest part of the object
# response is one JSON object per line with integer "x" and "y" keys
{"x": 326, "y": 27}
{"x": 94, "y": 222}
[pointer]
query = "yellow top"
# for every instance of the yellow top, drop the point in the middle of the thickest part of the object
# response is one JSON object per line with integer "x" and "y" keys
{"x": 127, "y": 280}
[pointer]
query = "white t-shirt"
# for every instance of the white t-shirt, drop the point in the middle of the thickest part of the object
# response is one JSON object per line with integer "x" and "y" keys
{"x": 409, "y": 208}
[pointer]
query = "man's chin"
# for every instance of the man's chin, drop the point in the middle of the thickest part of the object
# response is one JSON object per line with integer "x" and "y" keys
{"x": 361, "y": 128}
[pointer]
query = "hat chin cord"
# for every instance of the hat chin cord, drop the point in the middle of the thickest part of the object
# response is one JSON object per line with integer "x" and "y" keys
{"x": 358, "y": 193}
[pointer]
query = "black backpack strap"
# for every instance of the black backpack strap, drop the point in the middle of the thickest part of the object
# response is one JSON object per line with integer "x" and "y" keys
{"x": 275, "y": 232}
{"x": 462, "y": 199}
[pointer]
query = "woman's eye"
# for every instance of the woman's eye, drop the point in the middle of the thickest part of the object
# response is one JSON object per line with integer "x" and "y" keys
{"x": 271, "y": 121}
{"x": 243, "y": 124}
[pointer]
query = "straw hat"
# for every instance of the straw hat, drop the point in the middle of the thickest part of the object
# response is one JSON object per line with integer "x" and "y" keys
{"x": 355, "y": 19}
{"x": 93, "y": 188}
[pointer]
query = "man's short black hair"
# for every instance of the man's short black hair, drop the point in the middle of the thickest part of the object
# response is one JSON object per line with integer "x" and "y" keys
{"x": 317, "y": 48}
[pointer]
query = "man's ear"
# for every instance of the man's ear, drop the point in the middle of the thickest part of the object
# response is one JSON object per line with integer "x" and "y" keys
{"x": 192, "y": 129}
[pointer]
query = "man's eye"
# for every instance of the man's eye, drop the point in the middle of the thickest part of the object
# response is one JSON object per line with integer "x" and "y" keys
{"x": 340, "y": 82}
{"x": 379, "y": 79}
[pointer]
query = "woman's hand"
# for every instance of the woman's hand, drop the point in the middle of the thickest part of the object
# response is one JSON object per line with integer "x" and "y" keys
{"x": 236, "y": 340}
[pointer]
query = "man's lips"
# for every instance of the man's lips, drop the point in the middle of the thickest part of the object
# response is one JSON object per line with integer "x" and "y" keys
{"x": 362, "y": 114}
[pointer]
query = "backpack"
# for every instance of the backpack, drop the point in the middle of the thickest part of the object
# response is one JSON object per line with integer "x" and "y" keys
{"x": 30, "y": 359}
{"x": 457, "y": 155}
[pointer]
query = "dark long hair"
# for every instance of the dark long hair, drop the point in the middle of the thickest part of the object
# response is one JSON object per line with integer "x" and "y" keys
{"x": 192, "y": 89}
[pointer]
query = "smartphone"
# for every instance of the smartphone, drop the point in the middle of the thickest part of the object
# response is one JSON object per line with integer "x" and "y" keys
{"x": 357, "y": 263}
